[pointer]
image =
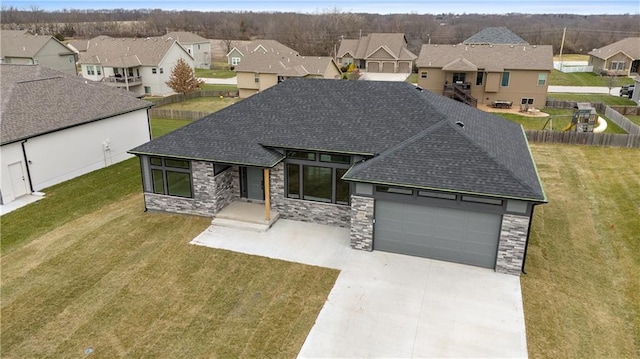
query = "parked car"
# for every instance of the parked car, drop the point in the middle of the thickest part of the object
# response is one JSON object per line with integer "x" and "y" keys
{"x": 627, "y": 90}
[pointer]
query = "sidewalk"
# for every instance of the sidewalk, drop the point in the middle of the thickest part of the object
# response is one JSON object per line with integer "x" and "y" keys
{"x": 615, "y": 91}
{"x": 215, "y": 81}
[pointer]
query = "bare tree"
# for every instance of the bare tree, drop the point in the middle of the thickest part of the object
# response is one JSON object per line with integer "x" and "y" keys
{"x": 183, "y": 79}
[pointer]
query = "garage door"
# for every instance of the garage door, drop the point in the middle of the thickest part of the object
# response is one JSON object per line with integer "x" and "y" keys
{"x": 373, "y": 67}
{"x": 388, "y": 67}
{"x": 440, "y": 233}
{"x": 403, "y": 67}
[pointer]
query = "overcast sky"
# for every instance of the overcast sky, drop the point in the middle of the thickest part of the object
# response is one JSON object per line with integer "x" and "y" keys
{"x": 583, "y": 7}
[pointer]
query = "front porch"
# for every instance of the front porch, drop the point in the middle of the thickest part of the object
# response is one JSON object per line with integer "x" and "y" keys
{"x": 246, "y": 215}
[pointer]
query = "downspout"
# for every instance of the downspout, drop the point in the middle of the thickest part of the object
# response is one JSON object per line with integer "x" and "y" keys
{"x": 526, "y": 244}
{"x": 26, "y": 163}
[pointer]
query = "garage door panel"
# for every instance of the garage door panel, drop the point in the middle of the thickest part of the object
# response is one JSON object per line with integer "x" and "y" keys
{"x": 439, "y": 233}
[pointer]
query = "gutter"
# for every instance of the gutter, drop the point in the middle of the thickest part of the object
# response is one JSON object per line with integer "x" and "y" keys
{"x": 26, "y": 163}
{"x": 526, "y": 243}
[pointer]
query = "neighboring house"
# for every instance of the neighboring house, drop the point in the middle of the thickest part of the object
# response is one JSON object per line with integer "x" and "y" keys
{"x": 78, "y": 46}
{"x": 473, "y": 74}
{"x": 495, "y": 36}
{"x": 621, "y": 58}
{"x": 20, "y": 47}
{"x": 57, "y": 126}
{"x": 407, "y": 170}
{"x": 377, "y": 52}
{"x": 196, "y": 45}
{"x": 235, "y": 56}
{"x": 142, "y": 66}
{"x": 259, "y": 71}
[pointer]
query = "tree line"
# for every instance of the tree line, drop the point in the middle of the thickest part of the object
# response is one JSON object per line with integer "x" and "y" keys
{"x": 319, "y": 34}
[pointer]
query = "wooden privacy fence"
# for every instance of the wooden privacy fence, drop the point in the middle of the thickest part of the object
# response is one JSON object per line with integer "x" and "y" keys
{"x": 584, "y": 138}
{"x": 177, "y": 114}
{"x": 191, "y": 95}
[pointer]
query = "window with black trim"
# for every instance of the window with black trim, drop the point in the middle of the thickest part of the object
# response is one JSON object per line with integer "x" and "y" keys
{"x": 493, "y": 201}
{"x": 480, "y": 77}
{"x": 171, "y": 177}
{"x": 153, "y": 70}
{"x": 438, "y": 195}
{"x": 317, "y": 177}
{"x": 394, "y": 190}
{"x": 505, "y": 79}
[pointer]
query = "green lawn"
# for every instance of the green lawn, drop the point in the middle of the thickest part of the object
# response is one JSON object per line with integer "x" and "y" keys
{"x": 87, "y": 267}
{"x": 559, "y": 78}
{"x": 220, "y": 72}
{"x": 582, "y": 287}
{"x": 204, "y": 104}
{"x": 572, "y": 57}
{"x": 593, "y": 98}
{"x": 412, "y": 79}
{"x": 162, "y": 126}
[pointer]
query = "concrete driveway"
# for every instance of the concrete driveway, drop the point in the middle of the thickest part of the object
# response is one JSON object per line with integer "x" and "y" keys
{"x": 390, "y": 305}
{"x": 381, "y": 76}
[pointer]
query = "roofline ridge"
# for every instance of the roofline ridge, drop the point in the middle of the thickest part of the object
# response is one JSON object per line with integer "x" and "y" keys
{"x": 494, "y": 158}
{"x": 399, "y": 146}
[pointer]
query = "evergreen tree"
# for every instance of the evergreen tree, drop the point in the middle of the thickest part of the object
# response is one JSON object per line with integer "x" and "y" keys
{"x": 183, "y": 79}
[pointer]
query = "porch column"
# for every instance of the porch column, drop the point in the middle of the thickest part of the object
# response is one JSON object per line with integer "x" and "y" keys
{"x": 267, "y": 196}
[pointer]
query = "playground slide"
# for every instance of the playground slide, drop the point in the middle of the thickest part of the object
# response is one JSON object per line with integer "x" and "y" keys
{"x": 568, "y": 127}
{"x": 602, "y": 125}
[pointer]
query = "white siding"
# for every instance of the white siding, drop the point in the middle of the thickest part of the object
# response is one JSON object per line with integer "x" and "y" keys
{"x": 9, "y": 154}
{"x": 157, "y": 81}
{"x": 62, "y": 155}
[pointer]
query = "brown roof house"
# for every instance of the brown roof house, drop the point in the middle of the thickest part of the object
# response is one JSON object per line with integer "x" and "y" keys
{"x": 259, "y": 71}
{"x": 57, "y": 126}
{"x": 487, "y": 74}
{"x": 142, "y": 66}
{"x": 21, "y": 47}
{"x": 377, "y": 52}
{"x": 196, "y": 45}
{"x": 621, "y": 58}
{"x": 258, "y": 46}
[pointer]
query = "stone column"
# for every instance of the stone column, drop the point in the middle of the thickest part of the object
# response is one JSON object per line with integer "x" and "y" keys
{"x": 513, "y": 237}
{"x": 362, "y": 223}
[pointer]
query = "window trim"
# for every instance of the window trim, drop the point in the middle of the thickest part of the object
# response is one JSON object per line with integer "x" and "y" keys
{"x": 544, "y": 80}
{"x": 165, "y": 169}
{"x": 507, "y": 75}
{"x": 480, "y": 77}
{"x": 235, "y": 61}
{"x": 300, "y": 164}
{"x": 424, "y": 75}
{"x": 154, "y": 70}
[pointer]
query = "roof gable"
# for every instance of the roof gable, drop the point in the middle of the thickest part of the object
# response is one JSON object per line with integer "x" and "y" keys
{"x": 129, "y": 52}
{"x": 26, "y": 113}
{"x": 460, "y": 64}
{"x": 383, "y": 121}
{"x": 629, "y": 46}
{"x": 495, "y": 35}
{"x": 393, "y": 43}
{"x": 185, "y": 37}
{"x": 15, "y": 43}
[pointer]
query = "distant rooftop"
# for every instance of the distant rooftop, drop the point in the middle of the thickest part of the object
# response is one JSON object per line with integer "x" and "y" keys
{"x": 495, "y": 35}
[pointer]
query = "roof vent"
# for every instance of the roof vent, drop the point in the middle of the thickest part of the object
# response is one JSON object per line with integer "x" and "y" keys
{"x": 460, "y": 123}
{"x": 419, "y": 88}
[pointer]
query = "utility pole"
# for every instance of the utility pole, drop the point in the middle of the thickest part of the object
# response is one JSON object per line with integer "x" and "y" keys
{"x": 564, "y": 33}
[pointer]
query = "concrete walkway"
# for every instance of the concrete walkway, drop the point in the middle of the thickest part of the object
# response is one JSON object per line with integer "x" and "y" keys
{"x": 20, "y": 202}
{"x": 216, "y": 81}
{"x": 390, "y": 305}
{"x": 615, "y": 91}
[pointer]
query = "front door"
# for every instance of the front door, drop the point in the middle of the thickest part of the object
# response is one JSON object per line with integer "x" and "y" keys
{"x": 252, "y": 183}
{"x": 18, "y": 182}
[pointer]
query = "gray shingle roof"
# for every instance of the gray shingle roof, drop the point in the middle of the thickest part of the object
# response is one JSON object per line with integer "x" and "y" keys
{"x": 14, "y": 43}
{"x": 265, "y": 45}
{"x": 127, "y": 52}
{"x": 489, "y": 57}
{"x": 362, "y": 48}
{"x": 38, "y": 100}
{"x": 629, "y": 46}
{"x": 410, "y": 136}
{"x": 285, "y": 65}
{"x": 185, "y": 37}
{"x": 495, "y": 35}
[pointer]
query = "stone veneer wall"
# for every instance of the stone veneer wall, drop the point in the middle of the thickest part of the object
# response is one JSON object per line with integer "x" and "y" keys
{"x": 362, "y": 222}
{"x": 306, "y": 211}
{"x": 210, "y": 193}
{"x": 513, "y": 237}
{"x": 235, "y": 173}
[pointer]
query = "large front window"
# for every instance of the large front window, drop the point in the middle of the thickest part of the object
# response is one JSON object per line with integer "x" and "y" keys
{"x": 316, "y": 177}
{"x": 171, "y": 177}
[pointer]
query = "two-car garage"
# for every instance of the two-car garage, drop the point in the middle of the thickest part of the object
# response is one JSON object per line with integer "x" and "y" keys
{"x": 449, "y": 234}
